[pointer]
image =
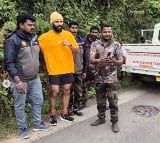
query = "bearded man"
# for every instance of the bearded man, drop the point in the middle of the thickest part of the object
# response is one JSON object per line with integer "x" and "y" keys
{"x": 58, "y": 46}
{"x": 110, "y": 56}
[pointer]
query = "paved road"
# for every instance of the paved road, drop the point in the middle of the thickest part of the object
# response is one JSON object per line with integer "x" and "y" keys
{"x": 134, "y": 128}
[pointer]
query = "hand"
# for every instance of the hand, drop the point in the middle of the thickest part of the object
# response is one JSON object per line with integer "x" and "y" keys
{"x": 21, "y": 88}
{"x": 80, "y": 44}
{"x": 108, "y": 60}
{"x": 84, "y": 75}
{"x": 105, "y": 60}
{"x": 66, "y": 43}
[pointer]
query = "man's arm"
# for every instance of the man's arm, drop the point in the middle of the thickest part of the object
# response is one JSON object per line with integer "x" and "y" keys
{"x": 10, "y": 56}
{"x": 118, "y": 61}
{"x": 92, "y": 59}
{"x": 85, "y": 62}
{"x": 74, "y": 49}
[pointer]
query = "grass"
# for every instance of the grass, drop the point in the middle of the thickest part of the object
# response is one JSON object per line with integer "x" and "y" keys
{"x": 129, "y": 83}
{"x": 7, "y": 126}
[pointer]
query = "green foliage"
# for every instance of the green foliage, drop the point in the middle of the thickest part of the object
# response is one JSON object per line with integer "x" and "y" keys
{"x": 46, "y": 108}
{"x": 42, "y": 26}
{"x": 127, "y": 17}
{"x": 6, "y": 106}
{"x": 7, "y": 11}
{"x": 8, "y": 126}
{"x": 8, "y": 14}
{"x": 6, "y": 98}
{"x": 9, "y": 26}
{"x": 127, "y": 83}
{"x": 1, "y": 52}
{"x": 152, "y": 7}
{"x": 91, "y": 93}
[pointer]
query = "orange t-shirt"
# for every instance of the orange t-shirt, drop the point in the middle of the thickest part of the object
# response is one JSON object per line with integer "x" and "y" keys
{"x": 58, "y": 58}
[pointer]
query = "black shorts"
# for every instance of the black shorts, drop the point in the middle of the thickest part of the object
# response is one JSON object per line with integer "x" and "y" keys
{"x": 61, "y": 79}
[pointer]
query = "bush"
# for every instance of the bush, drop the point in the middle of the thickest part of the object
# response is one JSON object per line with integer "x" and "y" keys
{"x": 91, "y": 93}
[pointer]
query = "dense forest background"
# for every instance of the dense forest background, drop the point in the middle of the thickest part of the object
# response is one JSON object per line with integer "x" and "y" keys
{"x": 126, "y": 16}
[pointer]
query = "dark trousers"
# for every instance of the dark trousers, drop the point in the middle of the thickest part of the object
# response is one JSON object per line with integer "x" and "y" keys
{"x": 87, "y": 83}
{"x": 104, "y": 91}
{"x": 76, "y": 92}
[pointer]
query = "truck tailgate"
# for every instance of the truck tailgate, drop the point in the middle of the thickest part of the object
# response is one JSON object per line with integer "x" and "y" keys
{"x": 142, "y": 59}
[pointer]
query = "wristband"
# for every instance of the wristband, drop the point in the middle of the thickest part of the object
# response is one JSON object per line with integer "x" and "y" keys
{"x": 19, "y": 83}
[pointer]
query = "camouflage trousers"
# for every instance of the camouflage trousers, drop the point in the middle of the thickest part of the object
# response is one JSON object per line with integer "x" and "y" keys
{"x": 87, "y": 83}
{"x": 106, "y": 91}
{"x": 76, "y": 92}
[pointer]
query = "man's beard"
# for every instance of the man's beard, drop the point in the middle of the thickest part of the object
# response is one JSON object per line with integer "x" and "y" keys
{"x": 58, "y": 29}
{"x": 106, "y": 40}
{"x": 28, "y": 32}
{"x": 93, "y": 37}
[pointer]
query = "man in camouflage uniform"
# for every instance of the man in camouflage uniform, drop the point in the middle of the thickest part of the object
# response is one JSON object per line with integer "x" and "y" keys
{"x": 76, "y": 91}
{"x": 110, "y": 56}
{"x": 90, "y": 68}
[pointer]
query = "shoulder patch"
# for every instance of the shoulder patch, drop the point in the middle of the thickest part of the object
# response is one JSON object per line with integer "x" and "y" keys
{"x": 23, "y": 43}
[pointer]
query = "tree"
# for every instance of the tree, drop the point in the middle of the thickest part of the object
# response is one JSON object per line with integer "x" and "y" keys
{"x": 7, "y": 11}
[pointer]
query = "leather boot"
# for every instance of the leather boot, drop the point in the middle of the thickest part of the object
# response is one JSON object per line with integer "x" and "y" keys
{"x": 98, "y": 122}
{"x": 115, "y": 127}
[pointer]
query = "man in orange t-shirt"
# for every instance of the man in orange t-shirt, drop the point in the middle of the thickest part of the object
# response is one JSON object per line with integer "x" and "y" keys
{"x": 57, "y": 46}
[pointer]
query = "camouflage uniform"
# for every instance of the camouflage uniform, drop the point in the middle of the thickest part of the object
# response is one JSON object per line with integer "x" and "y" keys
{"x": 106, "y": 79}
{"x": 76, "y": 90}
{"x": 89, "y": 69}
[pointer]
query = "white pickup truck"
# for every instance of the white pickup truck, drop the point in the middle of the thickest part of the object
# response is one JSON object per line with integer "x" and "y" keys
{"x": 143, "y": 59}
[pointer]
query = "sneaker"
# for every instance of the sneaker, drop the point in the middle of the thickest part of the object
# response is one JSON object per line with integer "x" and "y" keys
{"x": 42, "y": 127}
{"x": 53, "y": 121}
{"x": 24, "y": 133}
{"x": 115, "y": 127}
{"x": 98, "y": 122}
{"x": 66, "y": 118}
{"x": 77, "y": 112}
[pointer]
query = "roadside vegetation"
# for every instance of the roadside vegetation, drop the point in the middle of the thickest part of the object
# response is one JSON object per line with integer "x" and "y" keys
{"x": 126, "y": 16}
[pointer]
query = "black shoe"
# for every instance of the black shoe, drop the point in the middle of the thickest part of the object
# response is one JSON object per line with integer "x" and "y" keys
{"x": 70, "y": 112}
{"x": 98, "y": 122}
{"x": 66, "y": 118}
{"x": 115, "y": 127}
{"x": 53, "y": 120}
{"x": 77, "y": 112}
